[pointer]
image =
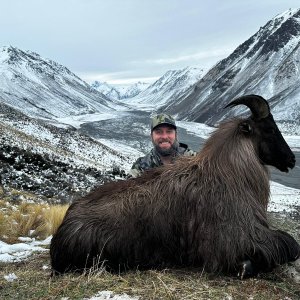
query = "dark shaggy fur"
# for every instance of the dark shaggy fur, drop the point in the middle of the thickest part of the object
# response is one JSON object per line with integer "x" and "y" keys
{"x": 206, "y": 211}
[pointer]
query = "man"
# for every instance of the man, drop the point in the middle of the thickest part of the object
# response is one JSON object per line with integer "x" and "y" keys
{"x": 166, "y": 146}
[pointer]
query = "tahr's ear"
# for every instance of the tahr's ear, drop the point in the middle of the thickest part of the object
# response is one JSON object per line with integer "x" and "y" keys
{"x": 246, "y": 127}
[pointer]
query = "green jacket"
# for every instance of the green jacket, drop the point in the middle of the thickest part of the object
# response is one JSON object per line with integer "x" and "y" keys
{"x": 152, "y": 160}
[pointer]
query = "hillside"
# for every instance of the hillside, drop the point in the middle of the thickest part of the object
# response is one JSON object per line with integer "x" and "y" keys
{"x": 267, "y": 64}
{"x": 43, "y": 88}
{"x": 56, "y": 163}
{"x": 167, "y": 89}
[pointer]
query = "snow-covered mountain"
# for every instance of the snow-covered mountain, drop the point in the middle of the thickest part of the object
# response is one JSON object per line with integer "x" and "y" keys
{"x": 134, "y": 89}
{"x": 51, "y": 162}
{"x": 118, "y": 92}
{"x": 43, "y": 88}
{"x": 268, "y": 64}
{"x": 106, "y": 89}
{"x": 167, "y": 89}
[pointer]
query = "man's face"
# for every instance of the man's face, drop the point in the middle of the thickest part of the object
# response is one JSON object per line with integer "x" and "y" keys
{"x": 163, "y": 138}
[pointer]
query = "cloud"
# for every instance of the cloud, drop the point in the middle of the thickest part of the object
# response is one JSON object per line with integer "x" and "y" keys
{"x": 198, "y": 56}
{"x": 149, "y": 70}
{"x": 115, "y": 77}
{"x": 101, "y": 76}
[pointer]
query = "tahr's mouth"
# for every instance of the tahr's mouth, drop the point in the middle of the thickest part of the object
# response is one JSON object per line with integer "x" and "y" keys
{"x": 286, "y": 168}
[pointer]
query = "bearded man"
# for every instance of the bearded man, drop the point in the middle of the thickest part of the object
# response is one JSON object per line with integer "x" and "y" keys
{"x": 166, "y": 147}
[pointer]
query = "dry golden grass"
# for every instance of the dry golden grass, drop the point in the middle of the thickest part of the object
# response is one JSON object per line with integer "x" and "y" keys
{"x": 52, "y": 218}
{"x": 2, "y": 223}
{"x": 26, "y": 219}
{"x": 29, "y": 219}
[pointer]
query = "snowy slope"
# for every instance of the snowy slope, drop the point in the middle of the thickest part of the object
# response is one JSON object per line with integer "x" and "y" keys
{"x": 57, "y": 163}
{"x": 167, "y": 89}
{"x": 106, "y": 89}
{"x": 118, "y": 92}
{"x": 43, "y": 88}
{"x": 268, "y": 64}
{"x": 133, "y": 90}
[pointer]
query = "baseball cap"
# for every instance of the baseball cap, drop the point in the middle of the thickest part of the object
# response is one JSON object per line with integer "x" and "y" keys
{"x": 161, "y": 119}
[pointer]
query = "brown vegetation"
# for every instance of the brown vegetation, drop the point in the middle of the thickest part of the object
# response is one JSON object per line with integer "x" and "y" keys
{"x": 29, "y": 219}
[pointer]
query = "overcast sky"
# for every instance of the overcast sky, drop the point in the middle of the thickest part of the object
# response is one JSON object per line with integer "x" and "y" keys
{"x": 122, "y": 41}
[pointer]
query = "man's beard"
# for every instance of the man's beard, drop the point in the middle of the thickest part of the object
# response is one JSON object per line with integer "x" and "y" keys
{"x": 167, "y": 152}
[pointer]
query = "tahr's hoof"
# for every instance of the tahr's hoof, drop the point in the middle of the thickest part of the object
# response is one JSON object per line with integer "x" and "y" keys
{"x": 246, "y": 270}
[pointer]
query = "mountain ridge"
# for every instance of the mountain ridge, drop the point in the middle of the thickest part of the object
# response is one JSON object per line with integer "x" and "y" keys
{"x": 120, "y": 92}
{"x": 45, "y": 89}
{"x": 261, "y": 65}
{"x": 168, "y": 88}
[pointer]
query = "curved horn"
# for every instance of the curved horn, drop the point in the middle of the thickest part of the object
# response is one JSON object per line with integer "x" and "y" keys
{"x": 258, "y": 105}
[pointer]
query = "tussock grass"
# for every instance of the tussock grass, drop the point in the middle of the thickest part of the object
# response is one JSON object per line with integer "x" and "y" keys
{"x": 52, "y": 218}
{"x": 26, "y": 218}
{"x": 2, "y": 223}
{"x": 29, "y": 219}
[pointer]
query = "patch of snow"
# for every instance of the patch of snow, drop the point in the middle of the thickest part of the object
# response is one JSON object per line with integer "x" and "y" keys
{"x": 76, "y": 121}
{"x": 121, "y": 147}
{"x": 198, "y": 129}
{"x": 21, "y": 251}
{"x": 108, "y": 295}
{"x": 283, "y": 198}
{"x": 10, "y": 277}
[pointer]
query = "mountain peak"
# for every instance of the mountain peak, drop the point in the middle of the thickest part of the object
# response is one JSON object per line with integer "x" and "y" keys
{"x": 281, "y": 30}
{"x": 15, "y": 54}
{"x": 32, "y": 60}
{"x": 287, "y": 14}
